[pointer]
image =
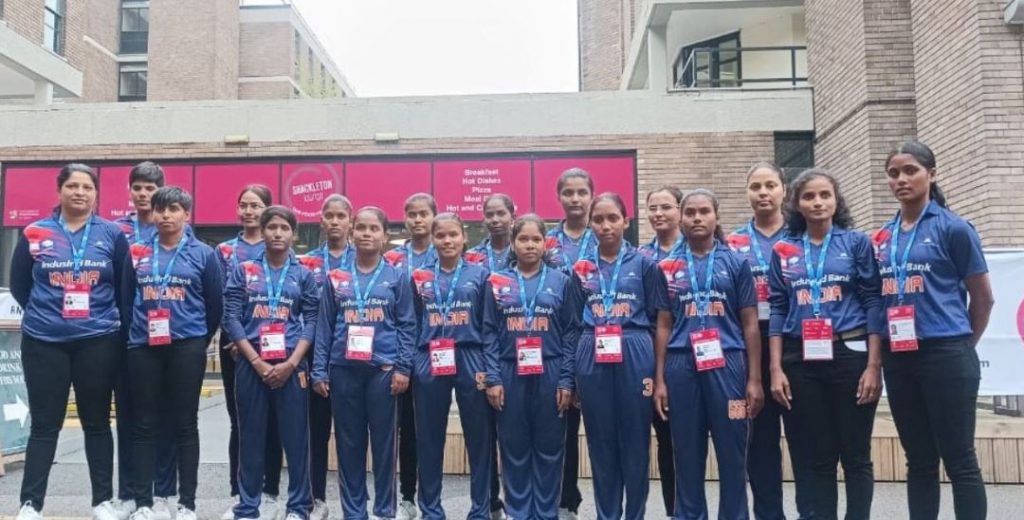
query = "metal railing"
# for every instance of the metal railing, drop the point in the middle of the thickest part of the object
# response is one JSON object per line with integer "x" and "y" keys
{"x": 722, "y": 67}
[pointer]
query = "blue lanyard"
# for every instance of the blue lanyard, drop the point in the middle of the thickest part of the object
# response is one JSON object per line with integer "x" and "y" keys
{"x": 447, "y": 305}
{"x": 899, "y": 271}
{"x": 563, "y": 238}
{"x": 409, "y": 253}
{"x": 816, "y": 277}
{"x": 656, "y": 247}
{"x": 274, "y": 295}
{"x": 363, "y": 297}
{"x": 135, "y": 227}
{"x": 608, "y": 293}
{"x": 165, "y": 280}
{"x": 703, "y": 304}
{"x": 756, "y": 247}
{"x": 342, "y": 264}
{"x": 234, "y": 252}
{"x": 530, "y": 307}
{"x": 77, "y": 254}
{"x": 491, "y": 256}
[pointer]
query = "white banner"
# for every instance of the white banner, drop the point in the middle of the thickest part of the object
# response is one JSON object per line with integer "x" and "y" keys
{"x": 1001, "y": 349}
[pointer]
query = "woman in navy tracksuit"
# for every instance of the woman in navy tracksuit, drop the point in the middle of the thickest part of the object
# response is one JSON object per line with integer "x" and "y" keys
{"x": 709, "y": 360}
{"x": 71, "y": 254}
{"x": 248, "y": 245}
{"x": 494, "y": 251}
{"x": 530, "y": 373}
{"x": 624, "y": 295}
{"x": 177, "y": 286}
{"x": 454, "y": 310}
{"x": 335, "y": 254}
{"x": 825, "y": 340}
{"x": 930, "y": 260}
{"x": 365, "y": 337}
{"x": 663, "y": 215}
{"x": 420, "y": 209}
{"x": 565, "y": 244}
{"x": 766, "y": 191}
{"x": 271, "y": 305}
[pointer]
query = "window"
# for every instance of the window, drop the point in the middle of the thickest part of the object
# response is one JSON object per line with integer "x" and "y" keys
{"x": 715, "y": 63}
{"x": 134, "y": 27}
{"x": 132, "y": 84}
{"x": 53, "y": 25}
{"x": 1, "y": 9}
{"x": 794, "y": 152}
{"x": 297, "y": 54}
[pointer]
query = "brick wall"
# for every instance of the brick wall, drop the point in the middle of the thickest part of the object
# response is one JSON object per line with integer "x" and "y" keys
{"x": 716, "y": 161}
{"x": 100, "y": 68}
{"x": 265, "y": 49}
{"x": 601, "y": 43}
{"x": 970, "y": 110}
{"x": 861, "y": 63}
{"x": 265, "y": 90}
{"x": 25, "y": 17}
{"x": 193, "y": 50}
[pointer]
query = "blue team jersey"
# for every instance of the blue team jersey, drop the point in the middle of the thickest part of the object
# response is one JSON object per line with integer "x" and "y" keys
{"x": 655, "y": 252}
{"x": 191, "y": 294}
{"x": 134, "y": 231}
{"x": 247, "y": 305}
{"x": 43, "y": 264}
{"x": 851, "y": 287}
{"x": 640, "y": 293}
{"x": 388, "y": 309}
{"x": 482, "y": 254}
{"x": 732, "y": 290}
{"x": 556, "y": 320}
{"x": 469, "y": 320}
{"x": 406, "y": 258}
{"x": 321, "y": 262}
{"x": 235, "y": 251}
{"x": 562, "y": 251}
{"x": 945, "y": 251}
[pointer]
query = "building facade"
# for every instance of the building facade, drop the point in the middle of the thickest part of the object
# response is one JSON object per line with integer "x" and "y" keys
{"x": 160, "y": 50}
{"x": 949, "y": 73}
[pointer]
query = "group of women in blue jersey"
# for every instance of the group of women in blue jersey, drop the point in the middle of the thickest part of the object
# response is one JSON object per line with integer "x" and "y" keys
{"x": 784, "y": 324}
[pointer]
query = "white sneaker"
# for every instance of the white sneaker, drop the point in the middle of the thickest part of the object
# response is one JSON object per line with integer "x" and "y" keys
{"x": 407, "y": 511}
{"x": 105, "y": 511}
{"x": 498, "y": 515}
{"x": 566, "y": 514}
{"x": 125, "y": 508}
{"x": 320, "y": 510}
{"x": 292, "y": 516}
{"x": 185, "y": 513}
{"x": 27, "y": 512}
{"x": 230, "y": 513}
{"x": 269, "y": 509}
{"x": 161, "y": 509}
{"x": 142, "y": 513}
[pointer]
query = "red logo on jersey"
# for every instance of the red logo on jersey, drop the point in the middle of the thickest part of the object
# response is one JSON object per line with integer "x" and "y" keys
{"x": 738, "y": 242}
{"x": 395, "y": 257}
{"x": 312, "y": 262}
{"x": 139, "y": 253}
{"x": 880, "y": 239}
{"x": 226, "y": 250}
{"x": 475, "y": 257}
{"x": 501, "y": 286}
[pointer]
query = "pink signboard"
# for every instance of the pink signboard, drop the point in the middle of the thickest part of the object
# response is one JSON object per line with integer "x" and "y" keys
{"x": 386, "y": 184}
{"x": 463, "y": 186}
{"x": 616, "y": 174}
{"x": 306, "y": 185}
{"x": 218, "y": 186}
{"x": 29, "y": 194}
{"x": 115, "y": 198}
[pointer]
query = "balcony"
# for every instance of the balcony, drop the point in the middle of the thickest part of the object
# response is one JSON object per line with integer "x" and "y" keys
{"x": 30, "y": 73}
{"x": 740, "y": 67}
{"x": 717, "y": 44}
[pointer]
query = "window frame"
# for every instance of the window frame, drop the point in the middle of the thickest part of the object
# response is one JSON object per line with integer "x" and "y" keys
{"x": 132, "y": 67}
{"x": 55, "y": 43}
{"x": 139, "y": 45}
{"x": 714, "y": 66}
